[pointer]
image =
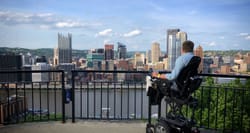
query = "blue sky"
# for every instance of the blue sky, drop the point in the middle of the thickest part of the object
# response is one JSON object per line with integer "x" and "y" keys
{"x": 213, "y": 24}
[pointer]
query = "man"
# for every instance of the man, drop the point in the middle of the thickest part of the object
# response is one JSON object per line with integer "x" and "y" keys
{"x": 181, "y": 62}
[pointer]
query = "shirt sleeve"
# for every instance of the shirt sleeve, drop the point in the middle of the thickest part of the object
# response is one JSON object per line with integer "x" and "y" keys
{"x": 179, "y": 64}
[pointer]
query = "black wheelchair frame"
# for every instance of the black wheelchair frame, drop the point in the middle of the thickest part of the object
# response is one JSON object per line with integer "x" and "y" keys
{"x": 176, "y": 93}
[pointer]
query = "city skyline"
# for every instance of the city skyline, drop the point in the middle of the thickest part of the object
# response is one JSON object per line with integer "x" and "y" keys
{"x": 215, "y": 25}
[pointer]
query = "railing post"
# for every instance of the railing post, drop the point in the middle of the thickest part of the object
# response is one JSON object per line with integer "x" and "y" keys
{"x": 63, "y": 97}
{"x": 73, "y": 96}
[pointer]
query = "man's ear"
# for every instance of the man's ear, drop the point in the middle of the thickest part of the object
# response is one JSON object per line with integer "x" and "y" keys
{"x": 182, "y": 51}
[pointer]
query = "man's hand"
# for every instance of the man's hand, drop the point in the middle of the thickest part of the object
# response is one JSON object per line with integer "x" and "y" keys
{"x": 154, "y": 74}
{"x": 157, "y": 75}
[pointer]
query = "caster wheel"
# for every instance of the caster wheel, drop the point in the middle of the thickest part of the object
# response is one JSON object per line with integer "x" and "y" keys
{"x": 149, "y": 130}
{"x": 162, "y": 127}
{"x": 196, "y": 130}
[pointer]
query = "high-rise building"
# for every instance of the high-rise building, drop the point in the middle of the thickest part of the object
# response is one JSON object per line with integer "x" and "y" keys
{"x": 206, "y": 65}
{"x": 108, "y": 65}
{"x": 41, "y": 59}
{"x": 121, "y": 51}
{"x": 199, "y": 52}
{"x": 148, "y": 56}
{"x": 218, "y": 61}
{"x": 43, "y": 76}
{"x": 180, "y": 38}
{"x": 63, "y": 53}
{"x": 10, "y": 62}
{"x": 156, "y": 52}
{"x": 97, "y": 50}
{"x": 27, "y": 59}
{"x": 139, "y": 60}
{"x": 109, "y": 52}
{"x": 175, "y": 38}
{"x": 228, "y": 60}
{"x": 94, "y": 60}
{"x": 56, "y": 56}
{"x": 169, "y": 33}
{"x": 225, "y": 69}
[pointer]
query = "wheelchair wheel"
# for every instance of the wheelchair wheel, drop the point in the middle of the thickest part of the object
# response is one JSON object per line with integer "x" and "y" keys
{"x": 149, "y": 130}
{"x": 162, "y": 127}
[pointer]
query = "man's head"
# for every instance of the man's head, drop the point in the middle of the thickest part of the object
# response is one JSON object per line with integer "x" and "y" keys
{"x": 187, "y": 46}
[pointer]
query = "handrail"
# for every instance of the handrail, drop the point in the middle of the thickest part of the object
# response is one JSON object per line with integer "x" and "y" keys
{"x": 29, "y": 71}
{"x": 162, "y": 72}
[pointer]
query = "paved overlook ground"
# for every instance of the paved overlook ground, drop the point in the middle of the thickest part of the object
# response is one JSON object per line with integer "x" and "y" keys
{"x": 79, "y": 127}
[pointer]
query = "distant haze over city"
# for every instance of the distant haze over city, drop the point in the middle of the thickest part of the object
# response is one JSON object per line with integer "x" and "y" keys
{"x": 214, "y": 24}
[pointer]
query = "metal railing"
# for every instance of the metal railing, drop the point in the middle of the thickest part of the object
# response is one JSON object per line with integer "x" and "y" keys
{"x": 222, "y": 106}
{"x": 29, "y": 100}
{"x": 112, "y": 95}
{"x": 121, "y": 95}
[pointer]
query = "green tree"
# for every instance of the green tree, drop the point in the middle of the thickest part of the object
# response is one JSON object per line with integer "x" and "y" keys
{"x": 223, "y": 106}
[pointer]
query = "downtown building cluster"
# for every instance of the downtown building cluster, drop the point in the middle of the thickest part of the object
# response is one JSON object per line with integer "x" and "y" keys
{"x": 111, "y": 59}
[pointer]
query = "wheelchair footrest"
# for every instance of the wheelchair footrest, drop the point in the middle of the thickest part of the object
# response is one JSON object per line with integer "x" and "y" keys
{"x": 178, "y": 122}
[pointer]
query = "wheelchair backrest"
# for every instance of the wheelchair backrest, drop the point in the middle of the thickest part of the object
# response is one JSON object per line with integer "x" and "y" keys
{"x": 187, "y": 81}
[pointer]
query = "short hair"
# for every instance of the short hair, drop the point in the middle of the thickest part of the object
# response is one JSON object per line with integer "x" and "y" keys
{"x": 188, "y": 46}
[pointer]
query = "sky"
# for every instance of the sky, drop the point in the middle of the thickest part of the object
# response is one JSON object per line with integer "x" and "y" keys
{"x": 213, "y": 24}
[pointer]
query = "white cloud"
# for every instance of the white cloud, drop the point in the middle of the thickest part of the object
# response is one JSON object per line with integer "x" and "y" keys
{"x": 211, "y": 44}
{"x": 133, "y": 33}
{"x": 45, "y": 14}
{"x": 106, "y": 32}
{"x": 243, "y": 34}
{"x": 41, "y": 20}
{"x": 15, "y": 18}
{"x": 247, "y": 37}
{"x": 68, "y": 24}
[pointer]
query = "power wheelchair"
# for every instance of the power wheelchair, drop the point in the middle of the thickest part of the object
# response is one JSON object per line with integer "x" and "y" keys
{"x": 177, "y": 93}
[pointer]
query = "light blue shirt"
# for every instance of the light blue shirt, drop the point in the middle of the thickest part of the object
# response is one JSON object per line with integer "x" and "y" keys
{"x": 180, "y": 63}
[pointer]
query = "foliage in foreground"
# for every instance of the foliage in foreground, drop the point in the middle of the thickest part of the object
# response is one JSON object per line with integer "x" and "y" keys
{"x": 224, "y": 106}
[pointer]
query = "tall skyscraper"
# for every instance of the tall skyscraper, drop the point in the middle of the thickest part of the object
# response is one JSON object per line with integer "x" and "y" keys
{"x": 63, "y": 53}
{"x": 10, "y": 62}
{"x": 139, "y": 60}
{"x": 180, "y": 38}
{"x": 95, "y": 58}
{"x": 169, "y": 33}
{"x": 175, "y": 38}
{"x": 121, "y": 51}
{"x": 199, "y": 52}
{"x": 148, "y": 56}
{"x": 156, "y": 52}
{"x": 109, "y": 52}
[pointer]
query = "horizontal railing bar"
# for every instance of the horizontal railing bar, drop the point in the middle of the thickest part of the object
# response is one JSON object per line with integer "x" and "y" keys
{"x": 118, "y": 71}
{"x": 162, "y": 72}
{"x": 29, "y": 71}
